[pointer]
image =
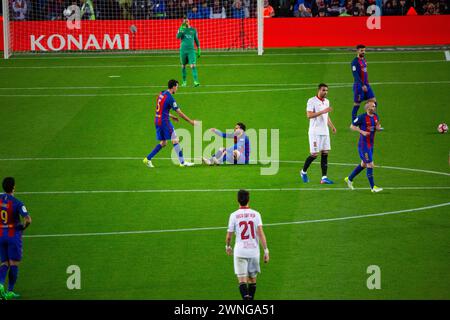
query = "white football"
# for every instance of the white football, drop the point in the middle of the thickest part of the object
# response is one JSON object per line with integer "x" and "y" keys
{"x": 67, "y": 12}
{"x": 442, "y": 128}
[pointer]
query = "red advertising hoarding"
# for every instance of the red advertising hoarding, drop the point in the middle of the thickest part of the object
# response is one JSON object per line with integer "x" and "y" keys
{"x": 230, "y": 33}
{"x": 349, "y": 31}
{"x": 129, "y": 34}
{"x": 1, "y": 33}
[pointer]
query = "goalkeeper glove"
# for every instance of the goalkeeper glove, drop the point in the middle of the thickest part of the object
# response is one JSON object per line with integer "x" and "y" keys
{"x": 199, "y": 52}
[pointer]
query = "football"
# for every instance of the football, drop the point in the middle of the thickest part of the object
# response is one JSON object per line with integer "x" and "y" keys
{"x": 442, "y": 128}
{"x": 67, "y": 13}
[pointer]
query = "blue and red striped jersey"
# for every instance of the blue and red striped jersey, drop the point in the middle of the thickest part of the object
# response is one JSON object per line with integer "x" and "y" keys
{"x": 367, "y": 123}
{"x": 242, "y": 143}
{"x": 11, "y": 209}
{"x": 359, "y": 70}
{"x": 164, "y": 103}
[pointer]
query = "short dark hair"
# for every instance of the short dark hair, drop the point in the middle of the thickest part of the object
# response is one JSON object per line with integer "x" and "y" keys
{"x": 241, "y": 125}
{"x": 321, "y": 85}
{"x": 243, "y": 197}
{"x": 8, "y": 184}
{"x": 360, "y": 46}
{"x": 172, "y": 83}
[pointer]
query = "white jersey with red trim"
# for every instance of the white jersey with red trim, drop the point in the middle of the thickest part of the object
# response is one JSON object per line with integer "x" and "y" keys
{"x": 244, "y": 223}
{"x": 318, "y": 125}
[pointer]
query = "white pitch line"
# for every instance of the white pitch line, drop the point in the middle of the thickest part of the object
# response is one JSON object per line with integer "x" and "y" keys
{"x": 346, "y": 85}
{"x": 225, "y": 85}
{"x": 251, "y": 161}
{"x": 415, "y": 170}
{"x": 206, "y": 85}
{"x": 222, "y": 228}
{"x": 222, "y": 190}
{"x": 214, "y": 64}
{"x": 211, "y": 55}
{"x": 75, "y": 158}
{"x": 447, "y": 55}
{"x": 180, "y": 93}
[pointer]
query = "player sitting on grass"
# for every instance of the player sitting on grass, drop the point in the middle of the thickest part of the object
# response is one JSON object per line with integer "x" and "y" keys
{"x": 164, "y": 128}
{"x": 239, "y": 153}
{"x": 366, "y": 124}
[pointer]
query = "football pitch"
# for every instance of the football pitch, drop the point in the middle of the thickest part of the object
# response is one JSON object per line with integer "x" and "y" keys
{"x": 74, "y": 131}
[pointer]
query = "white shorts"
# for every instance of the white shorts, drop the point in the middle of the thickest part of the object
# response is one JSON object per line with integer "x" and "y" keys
{"x": 319, "y": 143}
{"x": 246, "y": 267}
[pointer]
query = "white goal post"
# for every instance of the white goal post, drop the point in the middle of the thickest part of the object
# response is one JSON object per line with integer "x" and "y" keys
{"x": 129, "y": 26}
{"x": 6, "y": 33}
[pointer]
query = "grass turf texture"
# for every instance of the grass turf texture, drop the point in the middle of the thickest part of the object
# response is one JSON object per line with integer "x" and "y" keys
{"x": 326, "y": 260}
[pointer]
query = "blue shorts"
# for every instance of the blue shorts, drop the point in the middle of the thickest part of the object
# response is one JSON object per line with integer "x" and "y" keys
{"x": 230, "y": 157}
{"x": 359, "y": 95}
{"x": 165, "y": 132}
{"x": 11, "y": 247}
{"x": 366, "y": 154}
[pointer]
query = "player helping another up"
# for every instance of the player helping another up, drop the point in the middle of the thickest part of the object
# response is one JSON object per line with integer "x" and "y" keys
{"x": 164, "y": 127}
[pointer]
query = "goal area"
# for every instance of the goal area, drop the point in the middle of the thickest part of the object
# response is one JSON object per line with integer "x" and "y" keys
{"x": 128, "y": 26}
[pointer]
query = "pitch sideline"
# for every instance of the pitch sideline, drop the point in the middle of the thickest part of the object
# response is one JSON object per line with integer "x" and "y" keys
{"x": 222, "y": 228}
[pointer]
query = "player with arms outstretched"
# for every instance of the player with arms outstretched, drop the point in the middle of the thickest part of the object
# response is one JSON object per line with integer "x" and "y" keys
{"x": 366, "y": 124}
{"x": 164, "y": 127}
{"x": 239, "y": 153}
{"x": 361, "y": 87}
{"x": 188, "y": 37}
{"x": 11, "y": 228}
{"x": 247, "y": 225}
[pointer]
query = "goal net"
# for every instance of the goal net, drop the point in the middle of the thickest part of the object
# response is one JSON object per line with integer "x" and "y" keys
{"x": 87, "y": 26}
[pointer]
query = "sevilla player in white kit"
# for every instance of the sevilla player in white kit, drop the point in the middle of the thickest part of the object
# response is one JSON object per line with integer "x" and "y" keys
{"x": 317, "y": 110}
{"x": 247, "y": 225}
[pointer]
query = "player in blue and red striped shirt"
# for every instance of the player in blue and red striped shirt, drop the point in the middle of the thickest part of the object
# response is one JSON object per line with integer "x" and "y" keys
{"x": 239, "y": 153}
{"x": 361, "y": 87}
{"x": 11, "y": 228}
{"x": 366, "y": 124}
{"x": 164, "y": 127}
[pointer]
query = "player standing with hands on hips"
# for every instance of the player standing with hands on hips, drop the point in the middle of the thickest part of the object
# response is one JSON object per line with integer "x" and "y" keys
{"x": 188, "y": 37}
{"x": 317, "y": 110}
{"x": 362, "y": 90}
{"x": 247, "y": 225}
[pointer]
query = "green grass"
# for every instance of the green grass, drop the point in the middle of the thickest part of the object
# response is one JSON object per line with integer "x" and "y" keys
{"x": 323, "y": 260}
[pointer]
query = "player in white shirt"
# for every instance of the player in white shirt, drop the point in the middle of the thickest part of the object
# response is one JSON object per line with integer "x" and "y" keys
{"x": 317, "y": 110}
{"x": 246, "y": 224}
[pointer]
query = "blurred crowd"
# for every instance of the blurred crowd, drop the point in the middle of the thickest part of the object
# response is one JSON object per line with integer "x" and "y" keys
{"x": 215, "y": 9}
{"x": 334, "y": 8}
